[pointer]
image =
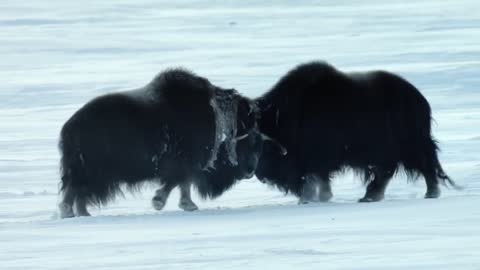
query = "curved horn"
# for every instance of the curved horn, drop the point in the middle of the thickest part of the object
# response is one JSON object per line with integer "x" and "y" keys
{"x": 239, "y": 138}
{"x": 282, "y": 148}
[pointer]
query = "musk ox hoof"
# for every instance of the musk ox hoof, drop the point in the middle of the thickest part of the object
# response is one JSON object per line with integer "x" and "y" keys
{"x": 158, "y": 203}
{"x": 325, "y": 196}
{"x": 187, "y": 206}
{"x": 303, "y": 201}
{"x": 366, "y": 199}
{"x": 432, "y": 194}
{"x": 66, "y": 215}
{"x": 84, "y": 214}
{"x": 66, "y": 211}
{"x": 371, "y": 198}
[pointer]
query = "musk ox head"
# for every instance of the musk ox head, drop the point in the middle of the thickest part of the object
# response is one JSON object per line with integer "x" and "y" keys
{"x": 274, "y": 163}
{"x": 249, "y": 141}
{"x": 238, "y": 144}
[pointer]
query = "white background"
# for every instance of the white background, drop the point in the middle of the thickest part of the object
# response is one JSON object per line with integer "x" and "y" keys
{"x": 57, "y": 55}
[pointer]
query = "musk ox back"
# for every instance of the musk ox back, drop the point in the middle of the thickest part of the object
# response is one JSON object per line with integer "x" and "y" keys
{"x": 176, "y": 131}
{"x": 374, "y": 122}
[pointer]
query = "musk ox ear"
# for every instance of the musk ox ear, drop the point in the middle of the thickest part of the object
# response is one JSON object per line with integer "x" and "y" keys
{"x": 282, "y": 148}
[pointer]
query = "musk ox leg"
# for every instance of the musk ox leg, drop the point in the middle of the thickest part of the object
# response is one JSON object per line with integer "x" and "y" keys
{"x": 433, "y": 191}
{"x": 309, "y": 190}
{"x": 432, "y": 170}
{"x": 161, "y": 196}
{"x": 186, "y": 202}
{"x": 66, "y": 206}
{"x": 325, "y": 193}
{"x": 315, "y": 189}
{"x": 81, "y": 207}
{"x": 425, "y": 161}
{"x": 73, "y": 204}
{"x": 376, "y": 188}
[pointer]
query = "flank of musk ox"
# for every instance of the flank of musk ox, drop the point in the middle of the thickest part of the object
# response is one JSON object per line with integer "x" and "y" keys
{"x": 178, "y": 130}
{"x": 373, "y": 122}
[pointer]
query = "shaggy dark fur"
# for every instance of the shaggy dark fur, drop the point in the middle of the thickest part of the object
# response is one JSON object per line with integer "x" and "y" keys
{"x": 374, "y": 122}
{"x": 167, "y": 132}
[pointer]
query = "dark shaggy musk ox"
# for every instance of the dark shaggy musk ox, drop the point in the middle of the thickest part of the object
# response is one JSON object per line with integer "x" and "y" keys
{"x": 176, "y": 131}
{"x": 374, "y": 122}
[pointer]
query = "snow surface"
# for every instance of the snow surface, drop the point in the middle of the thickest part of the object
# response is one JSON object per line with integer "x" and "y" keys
{"x": 56, "y": 55}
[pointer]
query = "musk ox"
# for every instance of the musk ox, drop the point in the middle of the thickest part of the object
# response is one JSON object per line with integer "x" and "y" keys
{"x": 373, "y": 122}
{"x": 178, "y": 130}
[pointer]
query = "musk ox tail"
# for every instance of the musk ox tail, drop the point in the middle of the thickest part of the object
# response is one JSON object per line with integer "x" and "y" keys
{"x": 421, "y": 158}
{"x": 444, "y": 178}
{"x": 430, "y": 162}
{"x": 419, "y": 148}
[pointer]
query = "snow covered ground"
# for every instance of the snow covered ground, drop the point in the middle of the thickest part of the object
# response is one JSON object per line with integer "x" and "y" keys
{"x": 56, "y": 55}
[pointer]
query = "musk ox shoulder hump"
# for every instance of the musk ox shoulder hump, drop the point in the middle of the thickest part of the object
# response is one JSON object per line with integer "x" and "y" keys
{"x": 311, "y": 70}
{"x": 179, "y": 85}
{"x": 301, "y": 76}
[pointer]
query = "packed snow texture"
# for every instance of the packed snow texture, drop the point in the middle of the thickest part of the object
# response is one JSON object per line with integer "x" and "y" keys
{"x": 57, "y": 55}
